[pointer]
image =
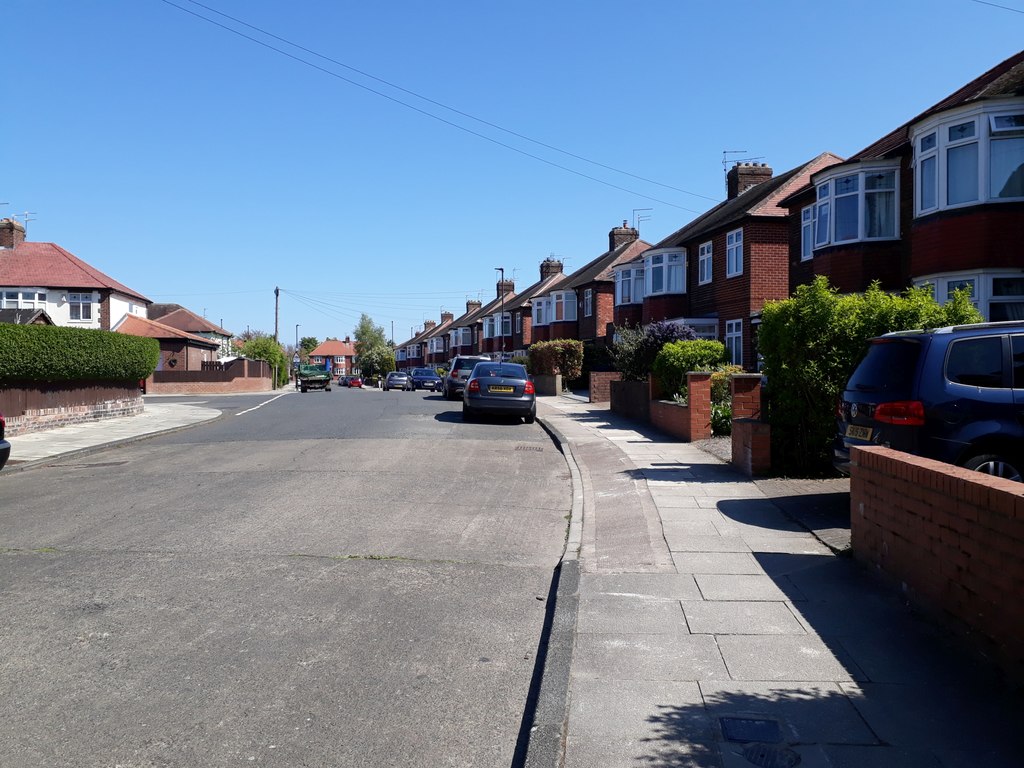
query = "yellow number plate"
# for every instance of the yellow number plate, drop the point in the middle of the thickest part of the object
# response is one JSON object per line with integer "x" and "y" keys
{"x": 500, "y": 389}
{"x": 858, "y": 433}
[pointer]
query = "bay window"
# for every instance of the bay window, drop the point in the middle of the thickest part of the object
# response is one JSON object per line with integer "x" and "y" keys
{"x": 665, "y": 273}
{"x": 974, "y": 156}
{"x": 807, "y": 233}
{"x": 998, "y": 295}
{"x": 853, "y": 207}
{"x": 564, "y": 306}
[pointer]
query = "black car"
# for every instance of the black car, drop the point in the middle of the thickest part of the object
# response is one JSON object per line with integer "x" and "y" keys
{"x": 501, "y": 389}
{"x": 426, "y": 378}
{"x": 5, "y": 447}
{"x": 952, "y": 394}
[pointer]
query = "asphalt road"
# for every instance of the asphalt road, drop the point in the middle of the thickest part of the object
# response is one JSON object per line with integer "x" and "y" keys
{"x": 344, "y": 578}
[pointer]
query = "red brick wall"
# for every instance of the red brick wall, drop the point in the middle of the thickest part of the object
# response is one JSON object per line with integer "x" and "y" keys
{"x": 746, "y": 395}
{"x": 751, "y": 446}
{"x": 971, "y": 238}
{"x": 601, "y": 385}
{"x": 46, "y": 406}
{"x": 663, "y": 307}
{"x": 687, "y": 422}
{"x": 954, "y": 540}
{"x": 629, "y": 314}
{"x": 563, "y": 330}
{"x": 208, "y": 387}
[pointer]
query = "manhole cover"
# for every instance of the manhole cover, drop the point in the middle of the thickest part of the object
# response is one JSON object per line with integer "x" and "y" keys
{"x": 744, "y": 729}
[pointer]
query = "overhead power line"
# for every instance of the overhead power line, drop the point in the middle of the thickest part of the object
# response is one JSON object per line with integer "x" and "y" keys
{"x": 426, "y": 113}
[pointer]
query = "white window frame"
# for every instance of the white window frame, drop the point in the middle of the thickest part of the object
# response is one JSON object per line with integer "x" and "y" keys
{"x": 503, "y": 322}
{"x": 734, "y": 253}
{"x": 22, "y": 298}
{"x": 852, "y": 185}
{"x": 983, "y": 282}
{"x": 935, "y": 141}
{"x": 734, "y": 341}
{"x": 563, "y": 306}
{"x": 668, "y": 268}
{"x": 705, "y": 265}
{"x": 489, "y": 327}
{"x": 519, "y": 322}
{"x": 807, "y": 233}
{"x": 539, "y": 314}
{"x": 623, "y": 285}
{"x": 588, "y": 302}
{"x": 83, "y": 303}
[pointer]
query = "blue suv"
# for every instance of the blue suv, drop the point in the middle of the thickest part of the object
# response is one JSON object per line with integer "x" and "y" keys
{"x": 952, "y": 394}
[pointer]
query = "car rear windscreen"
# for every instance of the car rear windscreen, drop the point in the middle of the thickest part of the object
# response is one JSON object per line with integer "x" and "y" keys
{"x": 888, "y": 366}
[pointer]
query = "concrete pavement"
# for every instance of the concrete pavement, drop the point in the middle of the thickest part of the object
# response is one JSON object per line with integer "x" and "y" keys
{"x": 715, "y": 629}
{"x": 704, "y": 619}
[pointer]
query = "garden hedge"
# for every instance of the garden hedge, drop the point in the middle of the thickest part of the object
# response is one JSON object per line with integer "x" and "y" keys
{"x": 46, "y": 353}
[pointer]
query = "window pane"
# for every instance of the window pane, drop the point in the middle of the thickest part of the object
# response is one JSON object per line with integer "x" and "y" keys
{"x": 962, "y": 174}
{"x": 1008, "y": 286}
{"x": 957, "y": 285}
{"x": 657, "y": 280}
{"x": 1007, "y": 168}
{"x": 880, "y": 214}
{"x": 977, "y": 362}
{"x": 1017, "y": 350}
{"x": 846, "y": 218}
{"x": 880, "y": 181}
{"x": 928, "y": 142}
{"x": 961, "y": 131}
{"x": 846, "y": 185}
{"x": 821, "y": 235}
{"x": 929, "y": 183}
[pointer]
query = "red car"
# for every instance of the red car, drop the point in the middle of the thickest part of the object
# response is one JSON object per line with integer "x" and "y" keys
{"x": 355, "y": 381}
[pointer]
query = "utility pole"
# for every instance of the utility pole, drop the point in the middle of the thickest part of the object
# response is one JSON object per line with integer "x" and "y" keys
{"x": 277, "y": 304}
{"x": 501, "y": 317}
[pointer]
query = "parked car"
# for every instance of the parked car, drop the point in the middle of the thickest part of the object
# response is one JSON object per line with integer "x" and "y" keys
{"x": 499, "y": 389}
{"x": 458, "y": 372}
{"x": 354, "y": 381}
{"x": 953, "y": 394}
{"x": 5, "y": 447}
{"x": 397, "y": 380}
{"x": 426, "y": 378}
{"x": 343, "y": 381}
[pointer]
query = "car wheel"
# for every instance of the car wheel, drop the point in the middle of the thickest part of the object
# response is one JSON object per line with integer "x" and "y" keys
{"x": 467, "y": 414}
{"x": 530, "y": 418}
{"x": 996, "y": 465}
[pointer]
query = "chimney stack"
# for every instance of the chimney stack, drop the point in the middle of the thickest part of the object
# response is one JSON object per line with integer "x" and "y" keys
{"x": 12, "y": 233}
{"x": 550, "y": 266}
{"x": 429, "y": 325}
{"x": 472, "y": 305}
{"x": 622, "y": 236}
{"x": 744, "y": 176}
{"x": 505, "y": 287}
{"x": 447, "y": 317}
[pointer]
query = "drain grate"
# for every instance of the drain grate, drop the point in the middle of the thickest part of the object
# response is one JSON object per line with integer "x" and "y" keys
{"x": 770, "y": 756}
{"x": 744, "y": 729}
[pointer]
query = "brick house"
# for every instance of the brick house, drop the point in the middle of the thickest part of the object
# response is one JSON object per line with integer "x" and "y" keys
{"x": 413, "y": 353}
{"x": 520, "y": 308}
{"x": 716, "y": 273}
{"x": 74, "y": 294}
{"x": 938, "y": 201}
{"x": 437, "y": 342}
{"x": 179, "y": 350}
{"x": 462, "y": 332}
{"x": 183, "y": 319}
{"x": 342, "y": 356}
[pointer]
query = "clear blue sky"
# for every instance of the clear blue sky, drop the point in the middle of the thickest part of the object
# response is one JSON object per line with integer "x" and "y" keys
{"x": 203, "y": 168}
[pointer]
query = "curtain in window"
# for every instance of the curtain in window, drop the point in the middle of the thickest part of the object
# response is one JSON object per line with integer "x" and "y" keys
{"x": 880, "y": 214}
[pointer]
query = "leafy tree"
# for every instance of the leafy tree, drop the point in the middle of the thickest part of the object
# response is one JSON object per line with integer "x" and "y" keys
{"x": 564, "y": 356}
{"x": 376, "y": 355}
{"x": 634, "y": 352}
{"x": 265, "y": 348}
{"x": 812, "y": 342}
{"x": 308, "y": 344}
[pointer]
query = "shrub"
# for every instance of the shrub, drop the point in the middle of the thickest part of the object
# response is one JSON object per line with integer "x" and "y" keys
{"x": 811, "y": 344}
{"x": 721, "y": 419}
{"x": 635, "y": 349}
{"x": 677, "y": 358}
{"x": 564, "y": 356}
{"x": 265, "y": 348}
{"x": 46, "y": 353}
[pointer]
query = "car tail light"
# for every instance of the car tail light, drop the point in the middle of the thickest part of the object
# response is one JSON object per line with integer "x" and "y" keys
{"x": 473, "y": 386}
{"x": 528, "y": 389}
{"x": 907, "y": 413}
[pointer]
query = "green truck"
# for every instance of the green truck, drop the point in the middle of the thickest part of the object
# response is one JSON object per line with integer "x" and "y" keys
{"x": 313, "y": 377}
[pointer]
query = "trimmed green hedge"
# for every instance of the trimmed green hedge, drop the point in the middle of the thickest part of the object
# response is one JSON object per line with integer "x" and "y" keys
{"x": 50, "y": 353}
